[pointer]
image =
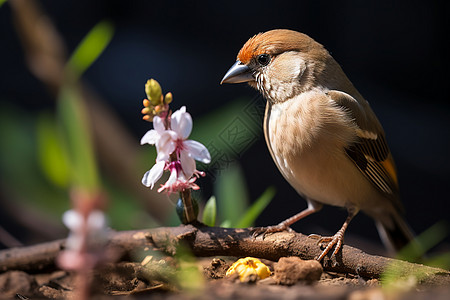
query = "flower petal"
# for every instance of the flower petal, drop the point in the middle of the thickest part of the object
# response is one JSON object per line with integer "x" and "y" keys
{"x": 181, "y": 123}
{"x": 72, "y": 219}
{"x": 158, "y": 124}
{"x": 165, "y": 145}
{"x": 173, "y": 177}
{"x": 152, "y": 176}
{"x": 96, "y": 220}
{"x": 187, "y": 163}
{"x": 197, "y": 151}
{"x": 151, "y": 137}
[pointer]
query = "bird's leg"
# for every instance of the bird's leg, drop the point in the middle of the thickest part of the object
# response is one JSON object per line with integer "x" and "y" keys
{"x": 337, "y": 239}
{"x": 312, "y": 208}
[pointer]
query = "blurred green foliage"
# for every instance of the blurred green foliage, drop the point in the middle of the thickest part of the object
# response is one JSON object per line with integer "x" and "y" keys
{"x": 189, "y": 276}
{"x": 77, "y": 140}
{"x": 52, "y": 158}
{"x": 20, "y": 169}
{"x": 424, "y": 242}
{"x": 397, "y": 277}
{"x": 90, "y": 48}
{"x": 249, "y": 216}
{"x": 231, "y": 191}
{"x": 45, "y": 153}
{"x": 72, "y": 113}
{"x": 233, "y": 206}
{"x": 210, "y": 212}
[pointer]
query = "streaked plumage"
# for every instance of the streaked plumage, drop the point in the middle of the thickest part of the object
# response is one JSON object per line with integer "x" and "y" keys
{"x": 322, "y": 134}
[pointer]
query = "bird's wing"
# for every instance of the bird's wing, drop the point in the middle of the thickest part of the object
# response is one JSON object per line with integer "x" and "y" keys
{"x": 370, "y": 152}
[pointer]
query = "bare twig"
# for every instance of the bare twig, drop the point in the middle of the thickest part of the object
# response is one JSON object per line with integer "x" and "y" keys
{"x": 216, "y": 241}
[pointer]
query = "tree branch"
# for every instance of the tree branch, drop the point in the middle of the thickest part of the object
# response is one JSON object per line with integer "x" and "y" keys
{"x": 216, "y": 241}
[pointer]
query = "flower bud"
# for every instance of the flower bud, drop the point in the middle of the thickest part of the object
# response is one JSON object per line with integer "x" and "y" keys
{"x": 168, "y": 98}
{"x": 145, "y": 110}
{"x": 146, "y": 103}
{"x": 158, "y": 109}
{"x": 153, "y": 91}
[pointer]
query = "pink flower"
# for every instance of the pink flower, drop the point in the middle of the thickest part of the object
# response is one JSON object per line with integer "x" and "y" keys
{"x": 178, "y": 181}
{"x": 174, "y": 140}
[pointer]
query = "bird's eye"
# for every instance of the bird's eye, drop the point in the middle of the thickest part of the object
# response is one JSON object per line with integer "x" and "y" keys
{"x": 263, "y": 59}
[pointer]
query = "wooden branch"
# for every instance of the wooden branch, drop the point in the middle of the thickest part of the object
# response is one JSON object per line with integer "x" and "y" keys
{"x": 216, "y": 241}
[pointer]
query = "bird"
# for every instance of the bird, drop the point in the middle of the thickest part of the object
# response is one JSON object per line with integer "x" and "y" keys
{"x": 322, "y": 134}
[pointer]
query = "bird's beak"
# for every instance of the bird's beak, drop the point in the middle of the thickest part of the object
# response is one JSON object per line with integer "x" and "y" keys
{"x": 238, "y": 73}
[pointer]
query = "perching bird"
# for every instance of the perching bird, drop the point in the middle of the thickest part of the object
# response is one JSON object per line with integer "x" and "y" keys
{"x": 322, "y": 134}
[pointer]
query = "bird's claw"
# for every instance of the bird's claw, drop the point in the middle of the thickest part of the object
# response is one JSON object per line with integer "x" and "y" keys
{"x": 330, "y": 241}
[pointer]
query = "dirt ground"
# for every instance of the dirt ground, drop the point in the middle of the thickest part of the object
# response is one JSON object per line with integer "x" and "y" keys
{"x": 159, "y": 279}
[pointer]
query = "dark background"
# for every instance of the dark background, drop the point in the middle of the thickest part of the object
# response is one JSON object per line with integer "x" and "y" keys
{"x": 395, "y": 53}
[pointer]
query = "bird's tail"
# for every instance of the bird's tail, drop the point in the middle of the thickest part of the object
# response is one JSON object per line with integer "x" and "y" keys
{"x": 396, "y": 233}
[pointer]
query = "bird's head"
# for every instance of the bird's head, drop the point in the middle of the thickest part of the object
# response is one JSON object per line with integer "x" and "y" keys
{"x": 280, "y": 64}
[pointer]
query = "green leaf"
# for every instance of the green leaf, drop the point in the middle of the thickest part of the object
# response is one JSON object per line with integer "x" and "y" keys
{"x": 231, "y": 193}
{"x": 424, "y": 242}
{"x": 225, "y": 224}
{"x": 72, "y": 112}
{"x": 52, "y": 156}
{"x": 256, "y": 209}
{"x": 209, "y": 212}
{"x": 90, "y": 48}
{"x": 76, "y": 133}
{"x": 396, "y": 274}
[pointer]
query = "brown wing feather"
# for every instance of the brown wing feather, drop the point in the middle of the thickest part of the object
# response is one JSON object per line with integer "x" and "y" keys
{"x": 370, "y": 152}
